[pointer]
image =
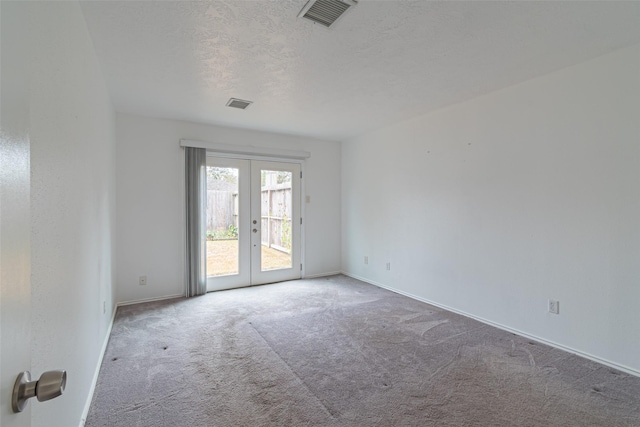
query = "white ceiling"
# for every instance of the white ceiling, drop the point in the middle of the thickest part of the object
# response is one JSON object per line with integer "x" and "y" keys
{"x": 383, "y": 62}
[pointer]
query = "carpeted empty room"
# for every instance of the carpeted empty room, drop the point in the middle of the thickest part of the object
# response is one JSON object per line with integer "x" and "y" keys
{"x": 335, "y": 351}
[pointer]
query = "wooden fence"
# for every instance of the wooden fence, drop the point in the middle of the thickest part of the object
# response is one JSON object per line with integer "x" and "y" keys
{"x": 275, "y": 201}
{"x": 222, "y": 210}
{"x": 276, "y": 216}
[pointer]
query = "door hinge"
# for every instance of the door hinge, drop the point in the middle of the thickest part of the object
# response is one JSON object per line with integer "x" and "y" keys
{"x": 300, "y": 174}
{"x": 300, "y": 267}
{"x": 300, "y": 220}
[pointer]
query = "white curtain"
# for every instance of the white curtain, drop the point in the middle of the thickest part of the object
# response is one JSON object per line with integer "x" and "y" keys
{"x": 196, "y": 204}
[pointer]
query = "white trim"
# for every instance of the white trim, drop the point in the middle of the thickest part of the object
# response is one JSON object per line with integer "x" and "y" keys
{"x": 597, "y": 359}
{"x": 303, "y": 215}
{"x": 140, "y": 301}
{"x": 103, "y": 350}
{"x": 315, "y": 276}
{"x": 94, "y": 382}
{"x": 254, "y": 157}
{"x": 246, "y": 151}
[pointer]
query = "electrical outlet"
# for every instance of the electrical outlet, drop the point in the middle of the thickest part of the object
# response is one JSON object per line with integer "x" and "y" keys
{"x": 388, "y": 266}
{"x": 143, "y": 280}
{"x": 554, "y": 306}
{"x": 366, "y": 259}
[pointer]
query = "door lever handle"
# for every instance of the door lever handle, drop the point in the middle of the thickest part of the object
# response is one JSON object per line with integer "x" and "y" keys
{"x": 50, "y": 385}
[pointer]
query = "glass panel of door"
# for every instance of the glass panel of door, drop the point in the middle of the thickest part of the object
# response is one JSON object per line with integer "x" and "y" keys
{"x": 253, "y": 222}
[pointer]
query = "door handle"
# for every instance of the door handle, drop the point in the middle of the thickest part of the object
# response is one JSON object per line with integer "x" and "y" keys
{"x": 255, "y": 230}
{"x": 50, "y": 385}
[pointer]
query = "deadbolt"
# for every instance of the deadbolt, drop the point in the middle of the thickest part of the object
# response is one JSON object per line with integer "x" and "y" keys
{"x": 255, "y": 222}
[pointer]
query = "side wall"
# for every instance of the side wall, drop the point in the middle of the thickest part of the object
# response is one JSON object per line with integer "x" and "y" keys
{"x": 72, "y": 207}
{"x": 150, "y": 201}
{"x": 495, "y": 205}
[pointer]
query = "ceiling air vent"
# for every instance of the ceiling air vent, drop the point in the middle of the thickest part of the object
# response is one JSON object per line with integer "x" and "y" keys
{"x": 325, "y": 12}
{"x": 238, "y": 103}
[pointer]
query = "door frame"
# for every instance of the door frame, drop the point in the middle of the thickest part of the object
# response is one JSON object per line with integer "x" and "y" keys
{"x": 15, "y": 208}
{"x": 225, "y": 151}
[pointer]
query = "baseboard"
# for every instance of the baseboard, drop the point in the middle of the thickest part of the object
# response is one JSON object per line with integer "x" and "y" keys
{"x": 139, "y": 301}
{"x": 597, "y": 359}
{"x": 94, "y": 382}
{"x": 315, "y": 276}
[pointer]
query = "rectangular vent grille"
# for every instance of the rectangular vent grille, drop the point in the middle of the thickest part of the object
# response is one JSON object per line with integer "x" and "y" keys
{"x": 324, "y": 12}
{"x": 238, "y": 103}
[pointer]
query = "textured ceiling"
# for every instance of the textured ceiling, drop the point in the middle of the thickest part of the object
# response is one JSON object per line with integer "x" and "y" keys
{"x": 383, "y": 62}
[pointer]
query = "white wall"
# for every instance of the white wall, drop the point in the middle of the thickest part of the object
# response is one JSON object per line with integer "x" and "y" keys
{"x": 150, "y": 200}
{"x": 72, "y": 127}
{"x": 492, "y": 206}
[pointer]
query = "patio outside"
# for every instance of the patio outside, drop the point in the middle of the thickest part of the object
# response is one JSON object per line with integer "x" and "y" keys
{"x": 222, "y": 258}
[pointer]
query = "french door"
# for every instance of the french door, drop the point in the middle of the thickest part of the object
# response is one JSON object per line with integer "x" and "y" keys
{"x": 253, "y": 222}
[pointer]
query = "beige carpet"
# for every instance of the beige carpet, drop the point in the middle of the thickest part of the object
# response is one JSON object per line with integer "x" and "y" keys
{"x": 337, "y": 352}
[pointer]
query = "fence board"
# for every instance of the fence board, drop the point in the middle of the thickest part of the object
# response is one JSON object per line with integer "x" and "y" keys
{"x": 276, "y": 211}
